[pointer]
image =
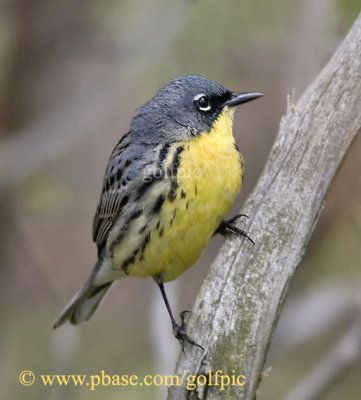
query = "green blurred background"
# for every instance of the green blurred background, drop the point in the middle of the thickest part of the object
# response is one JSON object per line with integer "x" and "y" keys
{"x": 72, "y": 73}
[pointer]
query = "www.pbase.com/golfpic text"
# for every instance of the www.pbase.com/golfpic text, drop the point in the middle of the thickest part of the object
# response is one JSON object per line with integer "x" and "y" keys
{"x": 102, "y": 379}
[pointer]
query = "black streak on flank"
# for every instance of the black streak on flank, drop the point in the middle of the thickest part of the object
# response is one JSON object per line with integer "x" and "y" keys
{"x": 149, "y": 181}
{"x": 183, "y": 194}
{"x": 125, "y": 228}
{"x": 124, "y": 201}
{"x": 176, "y": 160}
{"x": 172, "y": 195}
{"x": 135, "y": 215}
{"x": 161, "y": 232}
{"x": 119, "y": 238}
{"x": 163, "y": 154}
{"x": 173, "y": 216}
{"x": 158, "y": 204}
{"x": 127, "y": 262}
{"x": 145, "y": 242}
{"x": 143, "y": 246}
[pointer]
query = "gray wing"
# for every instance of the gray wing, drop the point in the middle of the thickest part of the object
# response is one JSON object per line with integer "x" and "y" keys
{"x": 126, "y": 163}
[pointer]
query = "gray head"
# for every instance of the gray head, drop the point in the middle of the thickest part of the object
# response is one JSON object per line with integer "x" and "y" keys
{"x": 183, "y": 108}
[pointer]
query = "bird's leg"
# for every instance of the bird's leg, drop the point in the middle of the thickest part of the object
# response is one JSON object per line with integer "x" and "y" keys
{"x": 178, "y": 330}
{"x": 226, "y": 228}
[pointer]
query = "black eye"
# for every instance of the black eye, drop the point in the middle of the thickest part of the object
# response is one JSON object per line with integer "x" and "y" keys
{"x": 202, "y": 102}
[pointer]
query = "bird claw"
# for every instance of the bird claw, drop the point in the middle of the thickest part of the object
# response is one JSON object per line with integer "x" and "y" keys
{"x": 182, "y": 337}
{"x": 226, "y": 228}
{"x": 229, "y": 221}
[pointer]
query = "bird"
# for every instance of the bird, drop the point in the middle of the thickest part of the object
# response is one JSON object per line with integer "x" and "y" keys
{"x": 168, "y": 185}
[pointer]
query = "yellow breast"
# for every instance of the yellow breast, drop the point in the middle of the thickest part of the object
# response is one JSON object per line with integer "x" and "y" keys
{"x": 212, "y": 163}
{"x": 209, "y": 178}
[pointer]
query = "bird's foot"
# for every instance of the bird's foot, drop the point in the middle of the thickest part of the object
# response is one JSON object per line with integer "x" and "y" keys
{"x": 226, "y": 228}
{"x": 181, "y": 335}
{"x": 231, "y": 220}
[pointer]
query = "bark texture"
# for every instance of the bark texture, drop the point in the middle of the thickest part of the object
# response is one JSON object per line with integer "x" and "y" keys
{"x": 239, "y": 302}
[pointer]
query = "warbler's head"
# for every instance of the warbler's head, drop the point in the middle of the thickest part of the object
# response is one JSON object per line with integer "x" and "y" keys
{"x": 184, "y": 108}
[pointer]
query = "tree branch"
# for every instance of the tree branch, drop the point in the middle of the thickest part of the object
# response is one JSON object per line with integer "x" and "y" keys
{"x": 239, "y": 302}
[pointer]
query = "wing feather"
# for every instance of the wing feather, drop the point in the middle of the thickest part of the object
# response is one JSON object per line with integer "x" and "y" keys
{"x": 125, "y": 168}
{"x": 114, "y": 193}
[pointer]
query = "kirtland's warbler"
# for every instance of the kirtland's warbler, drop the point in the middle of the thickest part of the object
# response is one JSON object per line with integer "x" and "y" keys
{"x": 168, "y": 185}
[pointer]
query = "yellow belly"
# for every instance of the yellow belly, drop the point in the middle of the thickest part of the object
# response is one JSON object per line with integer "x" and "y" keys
{"x": 209, "y": 178}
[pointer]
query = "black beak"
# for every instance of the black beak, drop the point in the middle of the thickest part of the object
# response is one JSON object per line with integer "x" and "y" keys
{"x": 241, "y": 98}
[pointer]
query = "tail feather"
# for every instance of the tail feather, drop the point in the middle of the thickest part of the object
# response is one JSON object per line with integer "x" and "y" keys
{"x": 83, "y": 304}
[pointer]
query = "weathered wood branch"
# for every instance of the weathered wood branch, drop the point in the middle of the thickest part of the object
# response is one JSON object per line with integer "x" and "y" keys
{"x": 239, "y": 302}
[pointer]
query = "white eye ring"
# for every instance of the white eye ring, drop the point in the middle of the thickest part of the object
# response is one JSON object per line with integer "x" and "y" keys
{"x": 206, "y": 106}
